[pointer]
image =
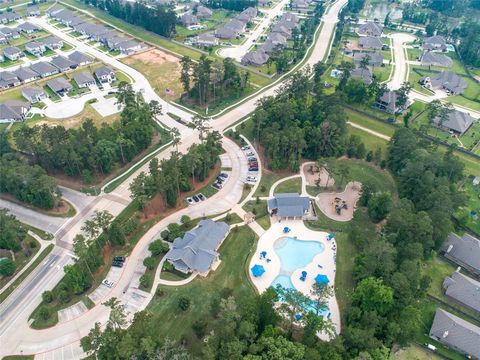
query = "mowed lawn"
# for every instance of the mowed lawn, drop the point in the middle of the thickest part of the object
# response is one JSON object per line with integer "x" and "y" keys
{"x": 290, "y": 186}
{"x": 230, "y": 277}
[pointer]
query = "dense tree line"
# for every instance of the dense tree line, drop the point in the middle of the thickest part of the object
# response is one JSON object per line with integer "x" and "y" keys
{"x": 170, "y": 177}
{"x": 208, "y": 81}
{"x": 469, "y": 46}
{"x": 299, "y": 124}
{"x": 13, "y": 232}
{"x": 157, "y": 18}
{"x": 90, "y": 150}
{"x": 237, "y": 5}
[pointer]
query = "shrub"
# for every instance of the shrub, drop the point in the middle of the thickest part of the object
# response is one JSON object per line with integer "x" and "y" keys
{"x": 149, "y": 262}
{"x": 184, "y": 303}
{"x": 47, "y": 297}
{"x": 130, "y": 225}
{"x": 44, "y": 313}
{"x": 158, "y": 247}
{"x": 185, "y": 219}
{"x": 263, "y": 189}
{"x": 64, "y": 296}
{"x": 228, "y": 218}
{"x": 7, "y": 267}
{"x": 145, "y": 280}
{"x": 159, "y": 292}
{"x": 32, "y": 244}
{"x": 165, "y": 234}
{"x": 167, "y": 266}
{"x": 199, "y": 328}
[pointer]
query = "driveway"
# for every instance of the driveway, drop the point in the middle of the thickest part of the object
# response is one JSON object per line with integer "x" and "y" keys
{"x": 69, "y": 107}
{"x": 400, "y": 72}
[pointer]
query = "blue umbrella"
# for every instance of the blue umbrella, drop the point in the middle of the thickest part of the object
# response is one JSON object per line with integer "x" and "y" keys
{"x": 298, "y": 316}
{"x": 286, "y": 229}
{"x": 322, "y": 279}
{"x": 257, "y": 270}
{"x": 263, "y": 253}
{"x": 304, "y": 273}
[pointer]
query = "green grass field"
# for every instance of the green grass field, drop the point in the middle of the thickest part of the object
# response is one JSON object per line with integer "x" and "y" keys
{"x": 290, "y": 186}
{"x": 464, "y": 214}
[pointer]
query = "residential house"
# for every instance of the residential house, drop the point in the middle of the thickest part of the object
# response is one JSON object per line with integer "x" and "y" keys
{"x": 270, "y": 47}
{"x": 370, "y": 29}
{"x": 430, "y": 58}
{"x": 33, "y": 10}
{"x": 255, "y": 58}
{"x": 203, "y": 12}
{"x": 54, "y": 11}
{"x": 128, "y": 47}
{"x": 364, "y": 75}
{"x": 111, "y": 40}
{"x": 437, "y": 43}
{"x": 80, "y": 59}
{"x": 62, "y": 63}
{"x": 53, "y": 42}
{"x": 9, "y": 33}
{"x": 250, "y": 11}
{"x": 8, "y": 79}
{"x": 374, "y": 58}
{"x": 300, "y": 5}
{"x": 289, "y": 205}
{"x": 44, "y": 69}
{"x": 464, "y": 251}
{"x": 456, "y": 333}
{"x": 3, "y": 39}
{"x": 2, "y": 58}
{"x": 197, "y": 250}
{"x": 282, "y": 29}
{"x": 13, "y": 110}
{"x": 458, "y": 122}
{"x": 289, "y": 17}
{"x": 35, "y": 48}
{"x": 26, "y": 75}
{"x": 447, "y": 80}
{"x": 370, "y": 42}
{"x": 388, "y": 103}
{"x": 105, "y": 75}
{"x": 188, "y": 19}
{"x": 93, "y": 31}
{"x": 244, "y": 18}
{"x": 68, "y": 18}
{"x": 84, "y": 79}
{"x": 34, "y": 94}
{"x": 28, "y": 28}
{"x": 9, "y": 16}
{"x": 236, "y": 25}
{"x": 206, "y": 40}
{"x": 464, "y": 290}
{"x": 59, "y": 86}
{"x": 13, "y": 53}
{"x": 226, "y": 33}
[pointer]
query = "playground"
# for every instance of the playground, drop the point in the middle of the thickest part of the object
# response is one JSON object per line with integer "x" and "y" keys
{"x": 313, "y": 177}
{"x": 340, "y": 206}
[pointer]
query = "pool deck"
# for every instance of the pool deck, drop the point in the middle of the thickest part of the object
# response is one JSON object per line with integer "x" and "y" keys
{"x": 273, "y": 268}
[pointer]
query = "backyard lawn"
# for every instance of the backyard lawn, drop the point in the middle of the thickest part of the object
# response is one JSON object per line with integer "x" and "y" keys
{"x": 260, "y": 211}
{"x": 465, "y": 215}
{"x": 229, "y": 278}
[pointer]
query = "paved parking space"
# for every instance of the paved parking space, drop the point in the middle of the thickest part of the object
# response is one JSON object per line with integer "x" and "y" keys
{"x": 71, "y": 312}
{"x": 102, "y": 291}
{"x": 106, "y": 107}
{"x": 69, "y": 352}
{"x": 225, "y": 161}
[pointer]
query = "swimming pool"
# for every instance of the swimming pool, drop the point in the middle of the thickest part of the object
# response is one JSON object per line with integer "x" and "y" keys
{"x": 295, "y": 254}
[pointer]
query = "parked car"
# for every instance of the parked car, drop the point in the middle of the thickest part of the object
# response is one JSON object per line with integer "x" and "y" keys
{"x": 250, "y": 153}
{"x": 253, "y": 168}
{"x": 190, "y": 200}
{"x": 117, "y": 263}
{"x": 201, "y": 197}
{"x": 251, "y": 178}
{"x": 217, "y": 186}
{"x": 220, "y": 179}
{"x": 195, "y": 198}
{"x": 246, "y": 147}
{"x": 119, "y": 258}
{"x": 223, "y": 175}
{"x": 252, "y": 158}
{"x": 107, "y": 283}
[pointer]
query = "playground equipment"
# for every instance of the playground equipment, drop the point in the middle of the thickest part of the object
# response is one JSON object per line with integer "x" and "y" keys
{"x": 339, "y": 204}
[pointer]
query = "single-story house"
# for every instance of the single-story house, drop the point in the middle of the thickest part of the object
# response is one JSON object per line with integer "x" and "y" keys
{"x": 458, "y": 122}
{"x": 128, "y": 47}
{"x": 53, "y": 42}
{"x": 203, "y": 12}
{"x": 80, "y": 59}
{"x": 197, "y": 250}
{"x": 236, "y": 25}
{"x": 206, "y": 40}
{"x": 9, "y": 16}
{"x": 188, "y": 19}
{"x": 34, "y": 94}
{"x": 84, "y": 79}
{"x": 255, "y": 58}
{"x": 388, "y": 103}
{"x": 289, "y": 17}
{"x": 464, "y": 290}
{"x": 35, "y": 48}
{"x": 28, "y": 28}
{"x": 370, "y": 28}
{"x": 105, "y": 75}
{"x": 112, "y": 40}
{"x": 8, "y": 79}
{"x": 299, "y": 5}
{"x": 62, "y": 63}
{"x": 270, "y": 47}
{"x": 44, "y": 69}
{"x": 226, "y": 33}
{"x": 289, "y": 205}
{"x": 59, "y": 86}
{"x": 9, "y": 33}
{"x": 13, "y": 110}
{"x": 370, "y": 42}
{"x": 33, "y": 10}
{"x": 374, "y": 58}
{"x": 68, "y": 18}
{"x": 244, "y": 18}
{"x": 446, "y": 80}
{"x": 13, "y": 53}
{"x": 362, "y": 74}
{"x": 463, "y": 251}
{"x": 456, "y": 333}
{"x": 250, "y": 11}
{"x": 431, "y": 58}
{"x": 25, "y": 74}
{"x": 436, "y": 42}
{"x": 282, "y": 29}
{"x": 54, "y": 11}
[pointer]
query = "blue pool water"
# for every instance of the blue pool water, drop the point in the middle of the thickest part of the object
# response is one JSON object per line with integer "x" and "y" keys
{"x": 283, "y": 280}
{"x": 295, "y": 254}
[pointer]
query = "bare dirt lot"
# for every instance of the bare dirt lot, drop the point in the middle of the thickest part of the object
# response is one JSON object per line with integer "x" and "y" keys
{"x": 326, "y": 202}
{"x": 311, "y": 176}
{"x": 161, "y": 69}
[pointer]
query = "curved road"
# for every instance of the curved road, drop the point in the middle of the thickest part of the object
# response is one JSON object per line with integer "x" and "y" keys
{"x": 62, "y": 340}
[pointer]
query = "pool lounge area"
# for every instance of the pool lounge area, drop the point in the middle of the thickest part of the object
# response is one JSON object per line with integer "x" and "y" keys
{"x": 293, "y": 256}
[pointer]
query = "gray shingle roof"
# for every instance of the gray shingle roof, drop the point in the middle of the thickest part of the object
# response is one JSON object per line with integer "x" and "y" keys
{"x": 465, "y": 249}
{"x": 103, "y": 71}
{"x": 196, "y": 251}
{"x": 59, "y": 84}
{"x": 435, "y": 43}
{"x": 463, "y": 289}
{"x": 62, "y": 62}
{"x": 376, "y": 59}
{"x": 12, "y": 110}
{"x": 457, "y": 121}
{"x": 52, "y": 40}
{"x": 289, "y": 205}
{"x": 370, "y": 42}
{"x": 370, "y": 28}
{"x": 11, "y": 50}
{"x": 203, "y": 11}
{"x": 78, "y": 58}
{"x": 43, "y": 68}
{"x": 188, "y": 19}
{"x": 456, "y": 332}
{"x": 225, "y": 33}
{"x": 33, "y": 91}
{"x": 450, "y": 81}
{"x": 83, "y": 77}
{"x": 363, "y": 74}
{"x": 26, "y": 26}
{"x": 24, "y": 73}
{"x": 257, "y": 58}
{"x": 436, "y": 59}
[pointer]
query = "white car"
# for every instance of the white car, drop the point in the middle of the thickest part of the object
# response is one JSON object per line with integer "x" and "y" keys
{"x": 251, "y": 179}
{"x": 246, "y": 147}
{"x": 250, "y": 153}
{"x": 190, "y": 201}
{"x": 107, "y": 283}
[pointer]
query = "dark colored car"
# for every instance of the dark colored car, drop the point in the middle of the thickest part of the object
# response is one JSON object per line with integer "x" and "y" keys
{"x": 223, "y": 175}
{"x": 195, "y": 198}
{"x": 119, "y": 258}
{"x": 253, "y": 169}
{"x": 217, "y": 186}
{"x": 117, "y": 264}
{"x": 201, "y": 197}
{"x": 220, "y": 179}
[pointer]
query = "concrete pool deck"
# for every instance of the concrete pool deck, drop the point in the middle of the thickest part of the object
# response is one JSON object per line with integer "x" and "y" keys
{"x": 273, "y": 268}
